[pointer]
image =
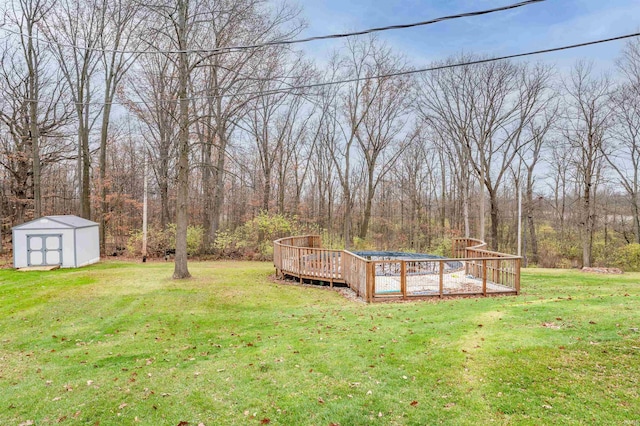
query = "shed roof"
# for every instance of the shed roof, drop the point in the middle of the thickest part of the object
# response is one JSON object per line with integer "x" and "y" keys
{"x": 57, "y": 222}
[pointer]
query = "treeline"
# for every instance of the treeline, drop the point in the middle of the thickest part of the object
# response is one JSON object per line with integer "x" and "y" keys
{"x": 239, "y": 144}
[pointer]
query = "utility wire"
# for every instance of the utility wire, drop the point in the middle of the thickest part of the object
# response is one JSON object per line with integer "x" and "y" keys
{"x": 231, "y": 49}
{"x": 394, "y": 74}
{"x": 374, "y": 30}
{"x": 457, "y": 65}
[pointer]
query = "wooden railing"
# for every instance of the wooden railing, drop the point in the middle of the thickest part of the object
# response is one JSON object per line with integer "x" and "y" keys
{"x": 472, "y": 270}
{"x": 460, "y": 246}
{"x": 304, "y": 257}
{"x": 355, "y": 273}
{"x": 498, "y": 268}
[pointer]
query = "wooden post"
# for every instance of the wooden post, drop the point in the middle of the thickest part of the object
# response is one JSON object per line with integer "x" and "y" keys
{"x": 370, "y": 281}
{"x": 403, "y": 279}
{"x": 329, "y": 267}
{"x": 466, "y": 263}
{"x": 517, "y": 276}
{"x": 300, "y": 264}
{"x": 484, "y": 277}
{"x": 344, "y": 264}
{"x": 441, "y": 279}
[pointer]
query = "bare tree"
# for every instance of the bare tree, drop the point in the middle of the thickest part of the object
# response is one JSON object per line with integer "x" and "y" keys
{"x": 185, "y": 66}
{"x": 368, "y": 116}
{"x": 558, "y": 181}
{"x": 75, "y": 27}
{"x": 120, "y": 20}
{"x": 186, "y": 24}
{"x": 33, "y": 106}
{"x": 27, "y": 15}
{"x": 486, "y": 111}
{"x": 415, "y": 175}
{"x": 587, "y": 122}
{"x": 323, "y": 178}
{"x": 149, "y": 94}
{"x": 441, "y": 103}
{"x": 624, "y": 154}
{"x": 338, "y": 139}
{"x": 538, "y": 130}
{"x": 382, "y": 136}
{"x": 271, "y": 118}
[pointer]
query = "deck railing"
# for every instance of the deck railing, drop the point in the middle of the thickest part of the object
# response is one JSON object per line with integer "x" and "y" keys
{"x": 472, "y": 270}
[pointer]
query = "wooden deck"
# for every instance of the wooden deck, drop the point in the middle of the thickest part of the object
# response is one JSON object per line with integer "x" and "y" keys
{"x": 479, "y": 272}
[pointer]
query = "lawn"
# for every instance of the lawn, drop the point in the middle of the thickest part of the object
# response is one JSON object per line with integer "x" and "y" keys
{"x": 122, "y": 343}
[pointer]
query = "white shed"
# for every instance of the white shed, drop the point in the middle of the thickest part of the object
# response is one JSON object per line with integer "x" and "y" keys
{"x": 69, "y": 241}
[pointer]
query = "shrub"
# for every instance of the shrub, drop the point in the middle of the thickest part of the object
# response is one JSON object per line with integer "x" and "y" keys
{"x": 159, "y": 240}
{"x": 362, "y": 244}
{"x": 194, "y": 237}
{"x": 628, "y": 257}
{"x": 558, "y": 250}
{"x": 254, "y": 239}
{"x": 441, "y": 246}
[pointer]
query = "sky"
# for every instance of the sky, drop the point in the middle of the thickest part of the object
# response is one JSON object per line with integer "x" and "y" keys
{"x": 538, "y": 26}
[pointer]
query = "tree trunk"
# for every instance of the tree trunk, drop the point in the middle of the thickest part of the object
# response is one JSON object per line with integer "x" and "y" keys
{"x": 33, "y": 124}
{"x": 636, "y": 210}
{"x": 104, "y": 131}
{"x": 282, "y": 181}
{"x": 443, "y": 196}
{"x": 84, "y": 160}
{"x": 20, "y": 191}
{"x": 218, "y": 181}
{"x": 493, "y": 199}
{"x": 85, "y": 196}
{"x": 364, "y": 229}
{"x": 465, "y": 209}
{"x": 207, "y": 193}
{"x": 266, "y": 194}
{"x": 181, "y": 269}
{"x": 481, "y": 210}
{"x": 586, "y": 233}
{"x": 346, "y": 225}
{"x": 533, "y": 238}
{"x": 162, "y": 171}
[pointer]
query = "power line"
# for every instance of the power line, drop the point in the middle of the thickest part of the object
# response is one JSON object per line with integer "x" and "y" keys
{"x": 430, "y": 69}
{"x": 231, "y": 49}
{"x": 379, "y": 29}
{"x": 393, "y": 74}
{"x": 463, "y": 64}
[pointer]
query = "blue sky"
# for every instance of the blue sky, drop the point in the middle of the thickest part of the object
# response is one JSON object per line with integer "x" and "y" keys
{"x": 538, "y": 26}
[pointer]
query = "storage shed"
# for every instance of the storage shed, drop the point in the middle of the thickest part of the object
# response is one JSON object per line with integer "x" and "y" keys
{"x": 69, "y": 241}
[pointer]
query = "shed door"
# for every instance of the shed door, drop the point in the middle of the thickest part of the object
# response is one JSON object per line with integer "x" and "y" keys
{"x": 44, "y": 250}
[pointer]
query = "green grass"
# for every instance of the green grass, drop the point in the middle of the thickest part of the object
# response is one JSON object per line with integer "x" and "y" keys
{"x": 121, "y": 343}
